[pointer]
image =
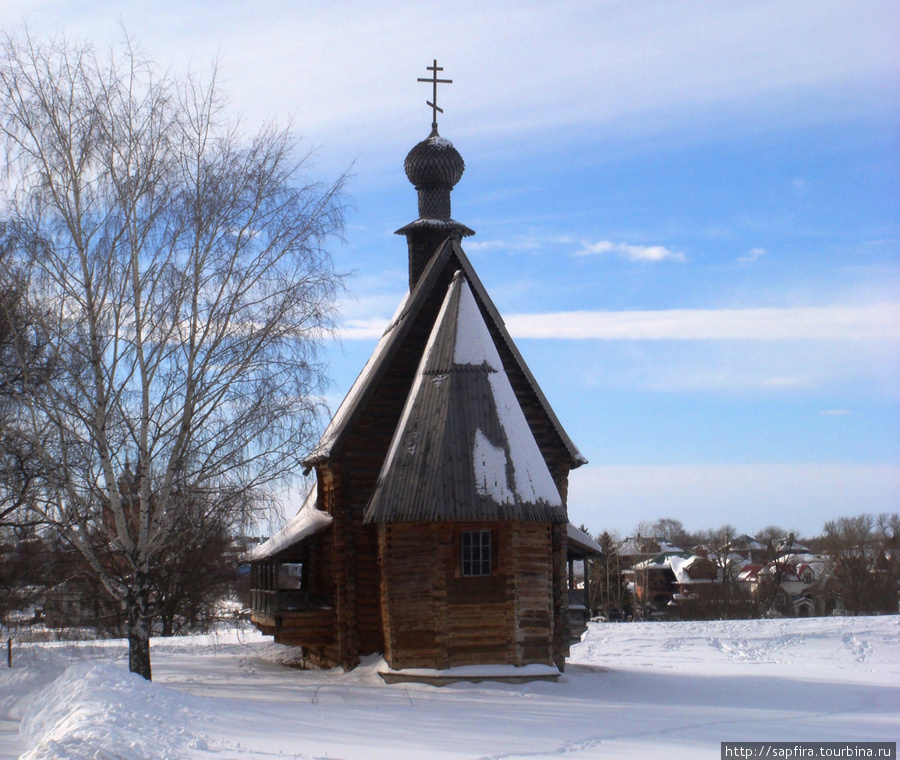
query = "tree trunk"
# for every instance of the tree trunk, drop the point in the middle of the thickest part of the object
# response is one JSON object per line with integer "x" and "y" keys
{"x": 139, "y": 633}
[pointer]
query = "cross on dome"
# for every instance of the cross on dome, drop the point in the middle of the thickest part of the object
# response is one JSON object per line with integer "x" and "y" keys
{"x": 434, "y": 69}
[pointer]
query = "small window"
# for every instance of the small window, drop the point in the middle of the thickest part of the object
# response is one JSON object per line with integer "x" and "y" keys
{"x": 290, "y": 576}
{"x": 476, "y": 552}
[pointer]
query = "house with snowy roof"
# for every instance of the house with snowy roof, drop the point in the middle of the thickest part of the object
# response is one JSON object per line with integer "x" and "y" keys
{"x": 749, "y": 548}
{"x": 635, "y": 549}
{"x": 794, "y": 585}
{"x": 437, "y": 532}
{"x": 671, "y": 577}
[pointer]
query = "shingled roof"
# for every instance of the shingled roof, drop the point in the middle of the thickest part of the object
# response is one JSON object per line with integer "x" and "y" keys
{"x": 450, "y": 254}
{"x": 463, "y": 449}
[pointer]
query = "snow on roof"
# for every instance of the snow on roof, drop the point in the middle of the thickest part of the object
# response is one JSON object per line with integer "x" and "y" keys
{"x": 662, "y": 560}
{"x": 393, "y": 341}
{"x": 531, "y": 478}
{"x": 680, "y": 563}
{"x": 441, "y": 142}
{"x": 748, "y": 542}
{"x": 463, "y": 448}
{"x": 790, "y": 545}
{"x": 681, "y": 568}
{"x": 532, "y": 481}
{"x": 749, "y": 572}
{"x": 798, "y": 562}
{"x": 306, "y": 522}
{"x": 582, "y": 540}
{"x": 731, "y": 559}
{"x": 802, "y": 558}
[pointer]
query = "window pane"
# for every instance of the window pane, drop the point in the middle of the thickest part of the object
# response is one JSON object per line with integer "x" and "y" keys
{"x": 476, "y": 552}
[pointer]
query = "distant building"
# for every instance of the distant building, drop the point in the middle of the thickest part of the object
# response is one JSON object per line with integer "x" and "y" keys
{"x": 749, "y": 548}
{"x": 638, "y": 548}
{"x": 794, "y": 585}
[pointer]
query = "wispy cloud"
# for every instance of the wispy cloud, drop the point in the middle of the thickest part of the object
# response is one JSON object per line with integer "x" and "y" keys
{"x": 784, "y": 382}
{"x": 873, "y": 322}
{"x": 519, "y": 243}
{"x": 754, "y": 254}
{"x": 363, "y": 329}
{"x": 836, "y": 412}
{"x": 642, "y": 253}
{"x": 859, "y": 323}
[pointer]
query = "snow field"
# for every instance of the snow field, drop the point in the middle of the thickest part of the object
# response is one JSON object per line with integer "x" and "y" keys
{"x": 642, "y": 690}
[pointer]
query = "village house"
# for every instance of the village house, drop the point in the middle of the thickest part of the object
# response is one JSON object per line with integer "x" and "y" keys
{"x": 794, "y": 585}
{"x": 636, "y": 549}
{"x": 749, "y": 548}
{"x": 672, "y": 577}
{"x": 437, "y": 532}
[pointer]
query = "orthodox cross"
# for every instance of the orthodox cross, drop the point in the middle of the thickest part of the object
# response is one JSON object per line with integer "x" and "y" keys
{"x": 435, "y": 82}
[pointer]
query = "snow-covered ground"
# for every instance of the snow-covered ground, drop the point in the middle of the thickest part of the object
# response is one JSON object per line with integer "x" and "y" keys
{"x": 641, "y": 690}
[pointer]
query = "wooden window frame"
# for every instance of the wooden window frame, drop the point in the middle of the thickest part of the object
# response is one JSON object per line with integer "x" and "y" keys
{"x": 489, "y": 563}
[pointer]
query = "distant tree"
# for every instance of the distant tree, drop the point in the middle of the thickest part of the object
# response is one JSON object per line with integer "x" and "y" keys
{"x": 720, "y": 540}
{"x": 608, "y": 590}
{"x": 197, "y": 571}
{"x": 770, "y": 537}
{"x": 183, "y": 283}
{"x": 864, "y": 553}
{"x": 672, "y": 531}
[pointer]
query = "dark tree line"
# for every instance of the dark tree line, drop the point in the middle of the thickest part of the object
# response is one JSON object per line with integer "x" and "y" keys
{"x": 865, "y": 555}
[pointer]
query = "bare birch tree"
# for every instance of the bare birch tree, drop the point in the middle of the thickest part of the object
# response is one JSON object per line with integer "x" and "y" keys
{"x": 181, "y": 271}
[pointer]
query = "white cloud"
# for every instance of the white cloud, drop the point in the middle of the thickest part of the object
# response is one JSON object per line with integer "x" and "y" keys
{"x": 876, "y": 322}
{"x": 836, "y": 412}
{"x": 749, "y": 496}
{"x": 518, "y": 244}
{"x": 754, "y": 254}
{"x": 873, "y": 322}
{"x": 641, "y": 65}
{"x": 362, "y": 329}
{"x": 630, "y": 252}
{"x": 784, "y": 382}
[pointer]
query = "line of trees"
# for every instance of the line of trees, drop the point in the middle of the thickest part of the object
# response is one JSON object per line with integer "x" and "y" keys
{"x": 164, "y": 286}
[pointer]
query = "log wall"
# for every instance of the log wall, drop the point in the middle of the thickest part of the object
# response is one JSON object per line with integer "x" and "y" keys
{"x": 435, "y": 618}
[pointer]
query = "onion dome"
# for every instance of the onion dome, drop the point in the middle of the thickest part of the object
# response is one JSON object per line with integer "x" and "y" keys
{"x": 434, "y": 166}
{"x": 434, "y": 161}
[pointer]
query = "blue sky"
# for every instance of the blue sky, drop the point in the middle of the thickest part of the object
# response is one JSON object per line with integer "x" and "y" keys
{"x": 688, "y": 213}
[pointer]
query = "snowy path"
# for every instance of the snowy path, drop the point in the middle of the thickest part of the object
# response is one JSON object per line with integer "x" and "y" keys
{"x": 668, "y": 690}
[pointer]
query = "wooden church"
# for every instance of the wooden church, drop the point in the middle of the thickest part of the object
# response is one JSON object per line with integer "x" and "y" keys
{"x": 437, "y": 531}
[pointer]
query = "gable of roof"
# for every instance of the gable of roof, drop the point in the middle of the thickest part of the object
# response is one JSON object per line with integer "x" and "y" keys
{"x": 448, "y": 258}
{"x": 749, "y": 572}
{"x": 746, "y": 541}
{"x": 463, "y": 449}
